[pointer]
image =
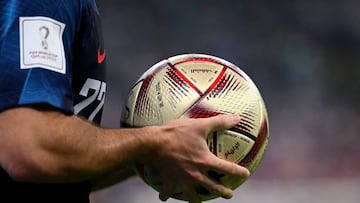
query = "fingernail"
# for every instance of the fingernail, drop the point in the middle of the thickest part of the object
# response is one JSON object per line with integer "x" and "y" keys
{"x": 235, "y": 118}
{"x": 247, "y": 173}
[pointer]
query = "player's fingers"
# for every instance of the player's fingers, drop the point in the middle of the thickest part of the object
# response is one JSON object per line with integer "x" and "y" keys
{"x": 229, "y": 168}
{"x": 163, "y": 196}
{"x": 190, "y": 192}
{"x": 216, "y": 188}
{"x": 166, "y": 191}
{"x": 222, "y": 122}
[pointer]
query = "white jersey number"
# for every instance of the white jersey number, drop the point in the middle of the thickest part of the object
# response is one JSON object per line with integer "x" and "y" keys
{"x": 99, "y": 94}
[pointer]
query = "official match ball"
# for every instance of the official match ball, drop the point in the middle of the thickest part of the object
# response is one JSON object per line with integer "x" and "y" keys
{"x": 199, "y": 86}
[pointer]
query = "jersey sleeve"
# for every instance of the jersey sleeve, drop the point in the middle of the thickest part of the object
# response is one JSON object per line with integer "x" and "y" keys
{"x": 36, "y": 52}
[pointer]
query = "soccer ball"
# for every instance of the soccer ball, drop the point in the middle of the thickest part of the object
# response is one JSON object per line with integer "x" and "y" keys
{"x": 197, "y": 86}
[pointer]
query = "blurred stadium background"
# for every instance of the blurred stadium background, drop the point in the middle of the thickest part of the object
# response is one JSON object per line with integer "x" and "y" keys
{"x": 303, "y": 55}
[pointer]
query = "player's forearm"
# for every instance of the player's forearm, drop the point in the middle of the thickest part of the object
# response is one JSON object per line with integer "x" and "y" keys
{"x": 52, "y": 147}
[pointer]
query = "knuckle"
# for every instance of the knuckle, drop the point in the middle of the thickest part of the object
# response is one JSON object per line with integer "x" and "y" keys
{"x": 197, "y": 176}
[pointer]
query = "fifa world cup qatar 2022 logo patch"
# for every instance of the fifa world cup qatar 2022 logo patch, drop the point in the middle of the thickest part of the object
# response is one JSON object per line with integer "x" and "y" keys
{"x": 41, "y": 44}
{"x": 44, "y": 34}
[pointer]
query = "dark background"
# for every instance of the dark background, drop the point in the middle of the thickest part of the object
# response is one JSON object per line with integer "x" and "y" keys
{"x": 304, "y": 57}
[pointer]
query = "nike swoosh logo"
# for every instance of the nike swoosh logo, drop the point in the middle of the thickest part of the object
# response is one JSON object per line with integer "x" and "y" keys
{"x": 101, "y": 56}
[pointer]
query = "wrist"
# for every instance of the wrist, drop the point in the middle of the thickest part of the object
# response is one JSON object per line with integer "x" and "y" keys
{"x": 150, "y": 141}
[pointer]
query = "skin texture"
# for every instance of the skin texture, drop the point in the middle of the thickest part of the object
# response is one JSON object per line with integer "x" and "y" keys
{"x": 40, "y": 144}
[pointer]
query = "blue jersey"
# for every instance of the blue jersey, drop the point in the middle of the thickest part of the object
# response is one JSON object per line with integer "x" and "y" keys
{"x": 51, "y": 52}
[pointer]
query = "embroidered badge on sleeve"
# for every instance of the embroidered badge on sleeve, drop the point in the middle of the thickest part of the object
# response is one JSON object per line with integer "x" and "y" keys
{"x": 41, "y": 44}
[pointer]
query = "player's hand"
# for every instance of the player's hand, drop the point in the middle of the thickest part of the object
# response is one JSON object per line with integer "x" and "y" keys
{"x": 185, "y": 159}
